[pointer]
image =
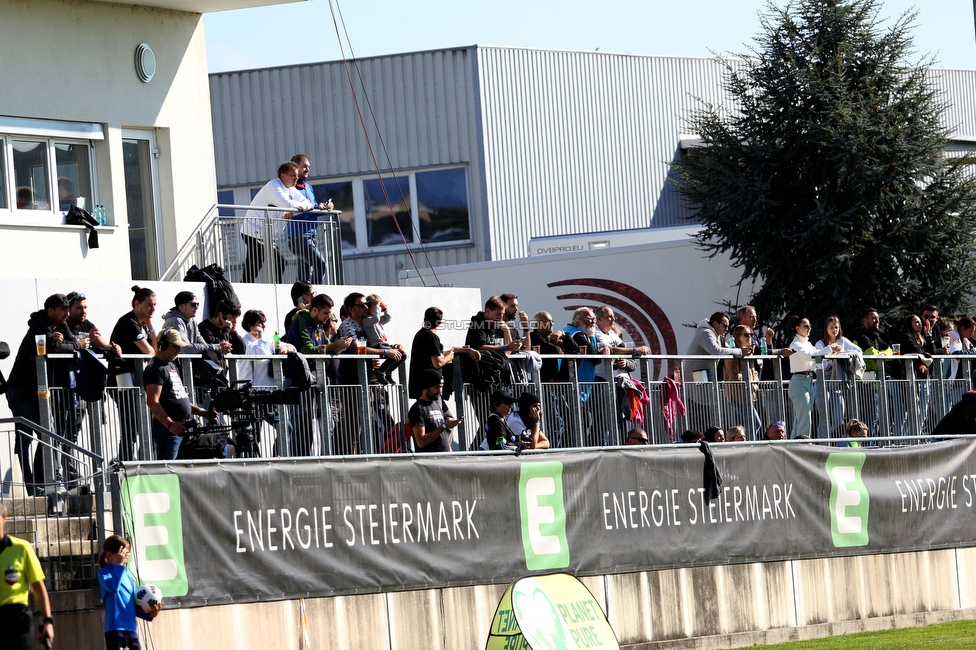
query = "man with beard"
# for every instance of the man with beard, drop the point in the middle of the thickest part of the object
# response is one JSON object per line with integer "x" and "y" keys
{"x": 301, "y": 231}
{"x": 48, "y": 322}
{"x": 516, "y": 321}
{"x": 869, "y": 335}
{"x": 580, "y": 338}
{"x": 69, "y": 417}
{"x": 429, "y": 426}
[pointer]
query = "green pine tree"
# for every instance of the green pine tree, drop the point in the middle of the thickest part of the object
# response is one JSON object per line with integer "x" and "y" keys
{"x": 830, "y": 180}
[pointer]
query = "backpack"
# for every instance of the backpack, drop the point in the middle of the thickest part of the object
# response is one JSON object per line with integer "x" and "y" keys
{"x": 218, "y": 286}
{"x": 91, "y": 376}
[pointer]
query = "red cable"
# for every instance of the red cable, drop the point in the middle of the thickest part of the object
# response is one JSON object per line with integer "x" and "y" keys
{"x": 369, "y": 148}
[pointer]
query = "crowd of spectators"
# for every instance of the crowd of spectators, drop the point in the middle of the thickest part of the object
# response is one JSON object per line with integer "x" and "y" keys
{"x": 911, "y": 346}
{"x": 493, "y": 335}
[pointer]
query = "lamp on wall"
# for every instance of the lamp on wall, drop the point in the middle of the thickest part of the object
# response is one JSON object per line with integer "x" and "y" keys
{"x": 145, "y": 63}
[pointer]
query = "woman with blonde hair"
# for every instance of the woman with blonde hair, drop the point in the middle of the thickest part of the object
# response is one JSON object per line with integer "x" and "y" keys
{"x": 835, "y": 373}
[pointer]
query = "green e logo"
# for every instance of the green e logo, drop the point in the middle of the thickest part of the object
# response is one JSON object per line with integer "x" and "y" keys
{"x": 849, "y": 500}
{"x": 543, "y": 516}
{"x": 152, "y": 505}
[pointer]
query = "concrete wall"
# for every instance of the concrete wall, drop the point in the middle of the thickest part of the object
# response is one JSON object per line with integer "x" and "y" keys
{"x": 703, "y": 607}
{"x": 73, "y": 60}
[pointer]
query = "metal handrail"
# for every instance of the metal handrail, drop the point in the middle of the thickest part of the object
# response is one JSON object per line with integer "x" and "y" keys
{"x": 193, "y": 244}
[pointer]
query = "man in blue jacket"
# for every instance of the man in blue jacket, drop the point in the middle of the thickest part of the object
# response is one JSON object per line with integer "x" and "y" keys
{"x": 301, "y": 231}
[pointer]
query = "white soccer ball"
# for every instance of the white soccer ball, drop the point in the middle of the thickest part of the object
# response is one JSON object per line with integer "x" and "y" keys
{"x": 148, "y": 596}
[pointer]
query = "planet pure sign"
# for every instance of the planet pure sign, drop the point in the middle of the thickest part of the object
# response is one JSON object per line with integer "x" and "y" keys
{"x": 549, "y": 612}
{"x": 267, "y": 530}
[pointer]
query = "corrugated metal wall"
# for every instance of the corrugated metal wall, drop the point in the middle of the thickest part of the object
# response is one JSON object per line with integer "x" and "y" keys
{"x": 556, "y": 142}
{"x": 424, "y": 106}
{"x": 960, "y": 92}
{"x": 581, "y": 141}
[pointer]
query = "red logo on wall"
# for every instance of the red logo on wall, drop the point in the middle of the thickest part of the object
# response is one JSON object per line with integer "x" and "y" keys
{"x": 636, "y": 313}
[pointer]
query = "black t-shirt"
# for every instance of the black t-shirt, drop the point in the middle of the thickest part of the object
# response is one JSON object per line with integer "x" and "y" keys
{"x": 482, "y": 333}
{"x": 127, "y": 331}
{"x": 174, "y": 398}
{"x": 429, "y": 416}
{"x": 426, "y": 344}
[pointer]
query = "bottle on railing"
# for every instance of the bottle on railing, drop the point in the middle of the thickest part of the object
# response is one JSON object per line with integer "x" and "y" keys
{"x": 729, "y": 341}
{"x": 676, "y": 375}
{"x": 277, "y": 343}
{"x": 763, "y": 348}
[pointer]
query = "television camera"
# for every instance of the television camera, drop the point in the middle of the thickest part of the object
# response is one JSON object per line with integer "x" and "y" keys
{"x": 247, "y": 408}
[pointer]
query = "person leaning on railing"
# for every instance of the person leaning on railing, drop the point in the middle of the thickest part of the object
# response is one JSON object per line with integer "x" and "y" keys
{"x": 279, "y": 192}
{"x": 803, "y": 378}
{"x": 50, "y": 324}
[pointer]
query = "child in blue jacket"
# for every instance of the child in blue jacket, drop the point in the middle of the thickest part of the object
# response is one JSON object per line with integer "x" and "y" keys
{"x": 118, "y": 594}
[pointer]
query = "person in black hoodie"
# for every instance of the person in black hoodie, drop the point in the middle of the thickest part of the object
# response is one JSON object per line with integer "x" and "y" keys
{"x": 869, "y": 335}
{"x": 22, "y": 384}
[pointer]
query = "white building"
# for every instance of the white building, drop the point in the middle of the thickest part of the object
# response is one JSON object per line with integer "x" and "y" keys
{"x": 117, "y": 123}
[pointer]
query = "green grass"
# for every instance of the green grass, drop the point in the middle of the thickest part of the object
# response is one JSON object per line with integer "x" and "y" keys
{"x": 944, "y": 636}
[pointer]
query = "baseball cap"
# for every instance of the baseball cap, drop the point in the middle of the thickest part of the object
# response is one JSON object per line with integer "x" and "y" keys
{"x": 172, "y": 337}
{"x": 56, "y": 300}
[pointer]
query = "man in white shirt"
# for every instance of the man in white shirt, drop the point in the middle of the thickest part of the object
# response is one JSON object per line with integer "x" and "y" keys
{"x": 281, "y": 193}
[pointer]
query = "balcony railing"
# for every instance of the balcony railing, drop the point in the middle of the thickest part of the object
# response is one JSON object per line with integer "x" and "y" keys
{"x": 364, "y": 418}
{"x": 284, "y": 250}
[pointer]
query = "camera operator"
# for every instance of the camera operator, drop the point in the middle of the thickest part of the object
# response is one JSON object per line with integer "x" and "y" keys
{"x": 167, "y": 397}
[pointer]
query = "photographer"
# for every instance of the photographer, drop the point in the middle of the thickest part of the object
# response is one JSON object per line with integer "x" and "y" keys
{"x": 167, "y": 397}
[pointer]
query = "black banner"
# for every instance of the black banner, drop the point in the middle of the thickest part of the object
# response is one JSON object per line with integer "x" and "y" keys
{"x": 241, "y": 531}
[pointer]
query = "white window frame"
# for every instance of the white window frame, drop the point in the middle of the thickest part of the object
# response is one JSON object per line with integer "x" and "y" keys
{"x": 54, "y": 216}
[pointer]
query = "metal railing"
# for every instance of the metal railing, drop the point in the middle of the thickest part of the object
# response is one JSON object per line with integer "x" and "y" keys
{"x": 75, "y": 442}
{"x": 61, "y": 512}
{"x": 361, "y": 417}
{"x": 268, "y": 250}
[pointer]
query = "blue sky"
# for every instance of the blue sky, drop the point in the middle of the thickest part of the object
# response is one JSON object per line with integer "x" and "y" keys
{"x": 303, "y": 32}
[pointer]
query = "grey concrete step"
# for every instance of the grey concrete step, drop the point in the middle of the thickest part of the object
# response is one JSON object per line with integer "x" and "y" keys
{"x": 46, "y": 530}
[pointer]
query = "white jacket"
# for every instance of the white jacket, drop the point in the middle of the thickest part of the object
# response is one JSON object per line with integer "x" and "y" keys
{"x": 274, "y": 193}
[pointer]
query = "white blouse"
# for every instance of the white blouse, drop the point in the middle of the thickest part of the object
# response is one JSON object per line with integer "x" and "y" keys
{"x": 259, "y": 372}
{"x": 803, "y": 353}
{"x": 846, "y": 345}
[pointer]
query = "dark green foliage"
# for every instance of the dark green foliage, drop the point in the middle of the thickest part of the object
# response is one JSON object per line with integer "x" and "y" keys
{"x": 829, "y": 179}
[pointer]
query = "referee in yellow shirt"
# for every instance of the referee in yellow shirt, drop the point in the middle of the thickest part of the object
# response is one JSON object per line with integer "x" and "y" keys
{"x": 20, "y": 569}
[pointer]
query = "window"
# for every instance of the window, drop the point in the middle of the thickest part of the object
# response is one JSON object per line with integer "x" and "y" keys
{"x": 442, "y": 204}
{"x": 341, "y": 195}
{"x": 431, "y": 202}
{"x": 31, "y": 175}
{"x": 225, "y": 197}
{"x": 46, "y": 166}
{"x": 74, "y": 176}
{"x": 381, "y": 230}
